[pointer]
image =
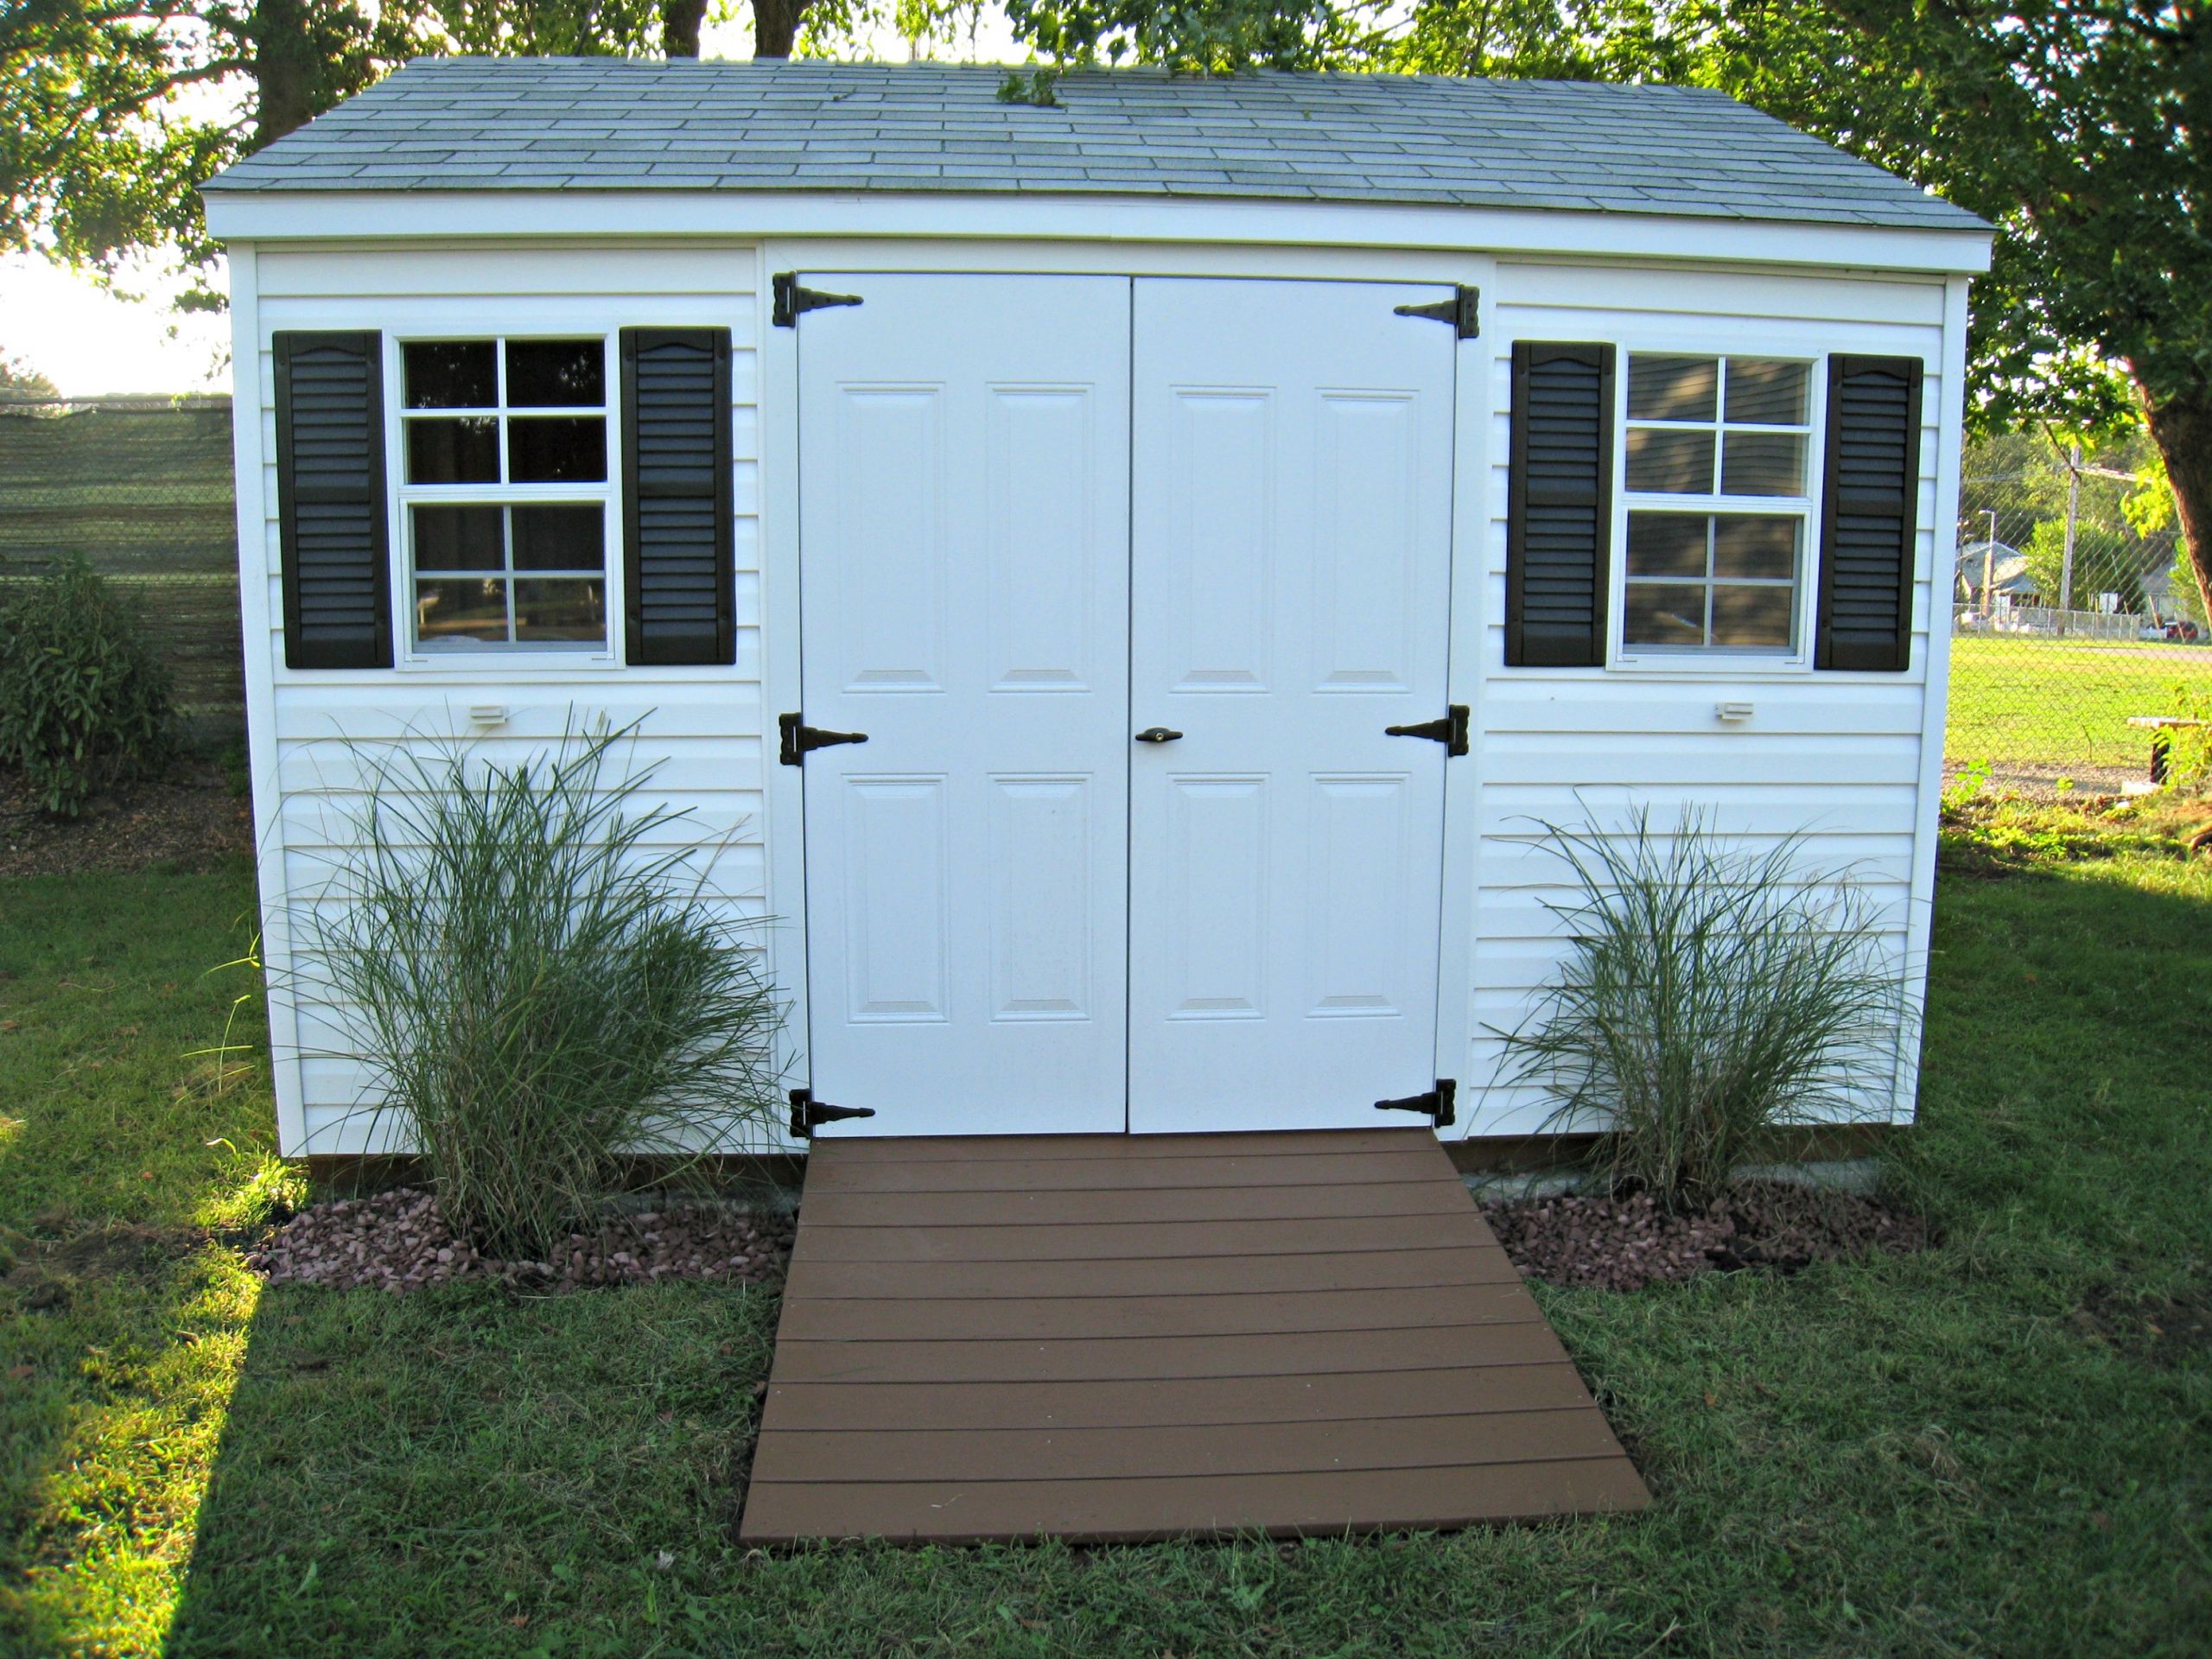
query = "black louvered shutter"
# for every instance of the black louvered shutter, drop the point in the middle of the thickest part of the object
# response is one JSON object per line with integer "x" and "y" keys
{"x": 330, "y": 500}
{"x": 677, "y": 534}
{"x": 1560, "y": 512}
{"x": 1870, "y": 495}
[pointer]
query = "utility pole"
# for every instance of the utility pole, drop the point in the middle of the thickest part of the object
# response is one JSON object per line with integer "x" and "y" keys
{"x": 1989, "y": 570}
{"x": 2072, "y": 518}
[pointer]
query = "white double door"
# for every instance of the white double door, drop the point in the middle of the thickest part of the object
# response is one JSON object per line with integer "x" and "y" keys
{"x": 1042, "y": 520}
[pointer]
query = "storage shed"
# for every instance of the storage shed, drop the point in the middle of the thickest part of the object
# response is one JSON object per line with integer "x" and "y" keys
{"x": 1127, "y": 573}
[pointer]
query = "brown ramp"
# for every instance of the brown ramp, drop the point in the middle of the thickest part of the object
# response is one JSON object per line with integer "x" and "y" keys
{"x": 1107, "y": 1337}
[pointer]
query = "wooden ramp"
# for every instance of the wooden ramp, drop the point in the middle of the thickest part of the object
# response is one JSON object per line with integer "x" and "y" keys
{"x": 1109, "y": 1337}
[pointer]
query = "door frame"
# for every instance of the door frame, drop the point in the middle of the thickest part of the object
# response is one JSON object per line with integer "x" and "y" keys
{"x": 1477, "y": 523}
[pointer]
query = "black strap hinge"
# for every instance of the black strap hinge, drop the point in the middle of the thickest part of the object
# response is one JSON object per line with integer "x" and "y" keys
{"x": 809, "y": 1114}
{"x": 791, "y": 299}
{"x": 1438, "y": 1104}
{"x": 1451, "y": 731}
{"x": 1463, "y": 311}
{"x": 798, "y": 738}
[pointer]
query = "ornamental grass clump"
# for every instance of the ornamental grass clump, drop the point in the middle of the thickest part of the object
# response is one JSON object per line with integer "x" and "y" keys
{"x": 1711, "y": 996}
{"x": 526, "y": 965}
{"x": 84, "y": 695}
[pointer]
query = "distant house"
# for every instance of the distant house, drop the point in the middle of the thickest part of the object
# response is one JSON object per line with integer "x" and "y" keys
{"x": 2005, "y": 569}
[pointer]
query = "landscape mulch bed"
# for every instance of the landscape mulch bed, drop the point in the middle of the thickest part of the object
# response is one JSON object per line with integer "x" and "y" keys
{"x": 189, "y": 819}
{"x": 397, "y": 1240}
{"x": 1626, "y": 1243}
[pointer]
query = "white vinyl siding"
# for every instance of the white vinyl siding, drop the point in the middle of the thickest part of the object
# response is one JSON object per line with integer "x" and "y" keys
{"x": 1836, "y": 756}
{"x": 702, "y": 728}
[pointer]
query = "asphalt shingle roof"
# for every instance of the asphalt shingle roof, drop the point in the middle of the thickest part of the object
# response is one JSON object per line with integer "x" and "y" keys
{"x": 605, "y": 124}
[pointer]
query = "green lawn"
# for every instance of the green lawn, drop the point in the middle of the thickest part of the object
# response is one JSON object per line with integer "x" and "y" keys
{"x": 1990, "y": 1448}
{"x": 2017, "y": 700}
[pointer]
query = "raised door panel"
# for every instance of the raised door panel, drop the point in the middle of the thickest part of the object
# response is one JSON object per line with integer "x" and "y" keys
{"x": 1213, "y": 957}
{"x": 963, "y": 492}
{"x": 884, "y": 602}
{"x": 1369, "y": 564}
{"x": 896, "y": 907}
{"x": 1366, "y": 838}
{"x": 1042, "y": 530}
{"x": 1042, "y": 910}
{"x": 1217, "y": 509}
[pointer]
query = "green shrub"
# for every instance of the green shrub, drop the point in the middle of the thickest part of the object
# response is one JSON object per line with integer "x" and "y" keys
{"x": 84, "y": 700}
{"x": 1711, "y": 995}
{"x": 537, "y": 990}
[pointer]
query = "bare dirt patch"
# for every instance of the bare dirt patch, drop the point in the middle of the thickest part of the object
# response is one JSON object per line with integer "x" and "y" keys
{"x": 188, "y": 819}
{"x": 45, "y": 1272}
{"x": 2161, "y": 1330}
{"x": 1627, "y": 1242}
{"x": 397, "y": 1240}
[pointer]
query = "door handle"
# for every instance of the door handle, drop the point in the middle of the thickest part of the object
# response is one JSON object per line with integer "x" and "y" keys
{"x": 1157, "y": 735}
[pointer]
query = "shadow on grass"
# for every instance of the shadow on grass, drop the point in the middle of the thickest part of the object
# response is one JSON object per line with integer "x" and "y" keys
{"x": 462, "y": 1469}
{"x": 124, "y": 1151}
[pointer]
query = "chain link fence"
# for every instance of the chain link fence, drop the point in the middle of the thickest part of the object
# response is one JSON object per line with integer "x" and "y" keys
{"x": 2066, "y": 623}
{"x": 141, "y": 488}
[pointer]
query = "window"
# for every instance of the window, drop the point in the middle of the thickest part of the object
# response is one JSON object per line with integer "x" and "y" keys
{"x": 1717, "y": 502}
{"x": 503, "y": 444}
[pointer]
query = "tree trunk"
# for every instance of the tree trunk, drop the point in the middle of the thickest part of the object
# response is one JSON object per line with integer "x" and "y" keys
{"x": 284, "y": 69}
{"x": 775, "y": 27}
{"x": 2181, "y": 428}
{"x": 679, "y": 27}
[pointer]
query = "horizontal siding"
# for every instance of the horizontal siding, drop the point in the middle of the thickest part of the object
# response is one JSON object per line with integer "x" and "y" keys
{"x": 1832, "y": 758}
{"x": 1668, "y": 708}
{"x": 700, "y": 730}
{"x": 680, "y": 765}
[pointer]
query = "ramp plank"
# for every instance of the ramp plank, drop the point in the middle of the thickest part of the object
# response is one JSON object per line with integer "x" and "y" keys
{"x": 1322, "y": 1397}
{"x": 810, "y": 1280}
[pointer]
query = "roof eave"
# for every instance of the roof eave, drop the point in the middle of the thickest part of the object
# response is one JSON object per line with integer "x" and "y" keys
{"x": 1946, "y": 246}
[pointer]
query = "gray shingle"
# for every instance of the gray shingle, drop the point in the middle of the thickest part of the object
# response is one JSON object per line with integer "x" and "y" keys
{"x": 607, "y": 123}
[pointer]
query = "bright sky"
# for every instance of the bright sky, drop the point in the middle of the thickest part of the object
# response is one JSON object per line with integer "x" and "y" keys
{"x": 88, "y": 340}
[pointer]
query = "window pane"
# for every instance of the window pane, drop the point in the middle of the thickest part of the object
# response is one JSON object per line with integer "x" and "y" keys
{"x": 461, "y": 608}
{"x": 1665, "y": 615}
{"x": 1766, "y": 393}
{"x": 454, "y": 452}
{"x": 1666, "y": 545}
{"x": 554, "y": 373}
{"x": 450, "y": 374}
{"x": 559, "y": 538}
{"x": 1755, "y": 547}
{"x": 1673, "y": 388}
{"x": 1752, "y": 617}
{"x": 1762, "y": 463}
{"x": 1679, "y": 463}
{"x": 557, "y": 450}
{"x": 548, "y": 611}
{"x": 457, "y": 539}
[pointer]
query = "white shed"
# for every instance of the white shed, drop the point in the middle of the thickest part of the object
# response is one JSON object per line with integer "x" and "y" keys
{"x": 1232, "y": 510}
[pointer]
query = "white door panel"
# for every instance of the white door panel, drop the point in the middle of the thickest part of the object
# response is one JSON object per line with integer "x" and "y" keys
{"x": 963, "y": 597}
{"x": 1290, "y": 587}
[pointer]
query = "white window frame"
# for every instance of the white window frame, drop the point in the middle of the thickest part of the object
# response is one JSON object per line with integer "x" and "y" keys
{"x": 1723, "y": 661}
{"x": 606, "y": 494}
